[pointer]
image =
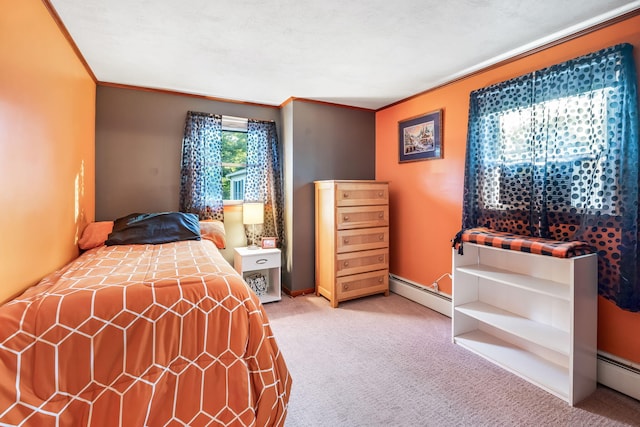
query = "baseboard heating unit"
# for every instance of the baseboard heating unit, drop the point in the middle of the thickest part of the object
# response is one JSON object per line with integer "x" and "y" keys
{"x": 613, "y": 372}
{"x": 435, "y": 300}
{"x": 619, "y": 374}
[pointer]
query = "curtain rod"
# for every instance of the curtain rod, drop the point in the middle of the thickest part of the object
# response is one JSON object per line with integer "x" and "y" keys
{"x": 221, "y": 115}
{"x": 248, "y": 118}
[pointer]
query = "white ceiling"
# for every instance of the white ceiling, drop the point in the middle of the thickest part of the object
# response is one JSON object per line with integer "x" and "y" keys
{"x": 362, "y": 53}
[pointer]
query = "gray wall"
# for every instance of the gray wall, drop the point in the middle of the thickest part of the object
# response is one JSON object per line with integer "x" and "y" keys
{"x": 324, "y": 142}
{"x": 138, "y": 148}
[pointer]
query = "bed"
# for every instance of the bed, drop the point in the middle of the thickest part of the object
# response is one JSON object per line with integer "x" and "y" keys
{"x": 141, "y": 335}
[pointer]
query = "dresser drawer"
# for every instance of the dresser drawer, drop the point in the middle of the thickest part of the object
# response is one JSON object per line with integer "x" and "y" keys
{"x": 362, "y": 262}
{"x": 362, "y": 217}
{"x": 358, "y": 194}
{"x": 362, "y": 239}
{"x": 362, "y": 284}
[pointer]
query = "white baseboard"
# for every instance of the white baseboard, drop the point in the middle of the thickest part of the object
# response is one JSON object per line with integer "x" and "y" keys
{"x": 613, "y": 372}
{"x": 436, "y": 301}
{"x": 619, "y": 374}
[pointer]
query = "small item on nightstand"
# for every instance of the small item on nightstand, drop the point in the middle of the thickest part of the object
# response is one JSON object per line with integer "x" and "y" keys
{"x": 268, "y": 242}
{"x": 258, "y": 283}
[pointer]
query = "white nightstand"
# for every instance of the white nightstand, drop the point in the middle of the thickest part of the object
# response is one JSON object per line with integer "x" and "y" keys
{"x": 260, "y": 262}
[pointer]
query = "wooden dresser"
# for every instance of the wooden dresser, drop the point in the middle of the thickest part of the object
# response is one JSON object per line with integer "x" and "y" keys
{"x": 352, "y": 239}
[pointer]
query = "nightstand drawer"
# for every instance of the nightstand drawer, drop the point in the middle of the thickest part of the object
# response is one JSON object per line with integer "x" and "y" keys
{"x": 260, "y": 261}
{"x": 362, "y": 239}
{"x": 362, "y": 262}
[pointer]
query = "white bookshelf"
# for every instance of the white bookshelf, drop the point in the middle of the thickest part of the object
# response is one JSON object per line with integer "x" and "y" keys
{"x": 533, "y": 315}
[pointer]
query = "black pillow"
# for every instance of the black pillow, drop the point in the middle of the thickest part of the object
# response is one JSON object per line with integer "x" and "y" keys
{"x": 154, "y": 228}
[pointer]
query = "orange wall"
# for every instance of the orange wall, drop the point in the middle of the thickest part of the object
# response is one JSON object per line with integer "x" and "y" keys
{"x": 47, "y": 160}
{"x": 426, "y": 196}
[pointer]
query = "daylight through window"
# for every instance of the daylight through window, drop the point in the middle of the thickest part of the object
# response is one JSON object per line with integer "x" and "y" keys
{"x": 558, "y": 138}
{"x": 234, "y": 157}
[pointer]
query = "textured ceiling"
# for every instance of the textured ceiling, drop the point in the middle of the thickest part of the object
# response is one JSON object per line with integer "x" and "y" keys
{"x": 362, "y": 53}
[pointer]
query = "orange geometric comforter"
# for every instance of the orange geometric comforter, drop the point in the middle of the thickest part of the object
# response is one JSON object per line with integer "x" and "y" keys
{"x": 141, "y": 335}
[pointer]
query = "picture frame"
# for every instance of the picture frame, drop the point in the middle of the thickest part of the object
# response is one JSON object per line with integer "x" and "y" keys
{"x": 268, "y": 242}
{"x": 420, "y": 138}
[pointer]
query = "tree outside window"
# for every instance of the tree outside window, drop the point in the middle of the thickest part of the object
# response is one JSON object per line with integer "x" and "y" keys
{"x": 234, "y": 164}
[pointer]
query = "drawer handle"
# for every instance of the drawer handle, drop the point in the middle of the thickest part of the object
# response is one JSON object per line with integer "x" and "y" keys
{"x": 345, "y": 195}
{"x": 380, "y": 215}
{"x": 346, "y": 217}
{"x": 261, "y": 261}
{"x": 381, "y": 237}
{"x": 380, "y": 279}
{"x": 380, "y": 258}
{"x": 380, "y": 194}
{"x": 346, "y": 241}
{"x": 345, "y": 287}
{"x": 346, "y": 264}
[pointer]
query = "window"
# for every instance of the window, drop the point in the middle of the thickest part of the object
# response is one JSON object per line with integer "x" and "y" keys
{"x": 582, "y": 138}
{"x": 568, "y": 134}
{"x": 234, "y": 157}
{"x": 567, "y": 173}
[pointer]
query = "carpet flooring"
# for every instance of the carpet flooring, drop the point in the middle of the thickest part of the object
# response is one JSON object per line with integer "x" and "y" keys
{"x": 387, "y": 361}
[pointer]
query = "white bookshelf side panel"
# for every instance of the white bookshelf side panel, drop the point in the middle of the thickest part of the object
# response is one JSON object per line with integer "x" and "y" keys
{"x": 585, "y": 364}
{"x": 462, "y": 323}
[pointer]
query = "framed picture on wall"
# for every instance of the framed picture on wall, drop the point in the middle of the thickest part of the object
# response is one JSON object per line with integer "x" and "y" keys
{"x": 420, "y": 138}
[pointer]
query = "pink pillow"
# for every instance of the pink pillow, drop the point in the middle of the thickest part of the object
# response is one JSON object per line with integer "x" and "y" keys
{"x": 95, "y": 234}
{"x": 214, "y": 230}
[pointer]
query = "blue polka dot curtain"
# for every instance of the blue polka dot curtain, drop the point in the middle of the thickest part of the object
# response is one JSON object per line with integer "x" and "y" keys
{"x": 201, "y": 167}
{"x": 264, "y": 178}
{"x": 554, "y": 154}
